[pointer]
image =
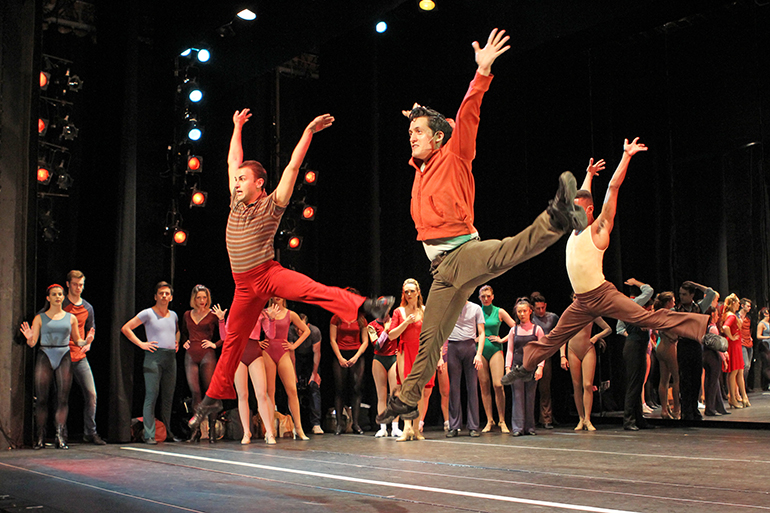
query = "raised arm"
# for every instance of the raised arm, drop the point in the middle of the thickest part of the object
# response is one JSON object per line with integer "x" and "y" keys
{"x": 128, "y": 330}
{"x": 606, "y": 220}
{"x": 289, "y": 176}
{"x": 494, "y": 48}
{"x": 591, "y": 171}
{"x": 235, "y": 155}
{"x": 708, "y": 295}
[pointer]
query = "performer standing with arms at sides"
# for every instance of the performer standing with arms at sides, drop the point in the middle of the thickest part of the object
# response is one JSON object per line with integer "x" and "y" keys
{"x": 580, "y": 361}
{"x": 161, "y": 326}
{"x": 443, "y": 195}
{"x": 493, "y": 360}
{"x": 81, "y": 369}
{"x": 251, "y": 226}
{"x": 54, "y": 328}
{"x": 594, "y": 295}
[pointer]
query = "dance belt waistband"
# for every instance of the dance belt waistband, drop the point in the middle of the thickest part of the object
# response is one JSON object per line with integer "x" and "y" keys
{"x": 440, "y": 258}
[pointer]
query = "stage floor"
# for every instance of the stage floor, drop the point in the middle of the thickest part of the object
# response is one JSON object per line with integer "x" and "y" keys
{"x": 698, "y": 469}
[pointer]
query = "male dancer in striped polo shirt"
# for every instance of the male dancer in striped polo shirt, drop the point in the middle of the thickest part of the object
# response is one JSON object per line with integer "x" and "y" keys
{"x": 251, "y": 226}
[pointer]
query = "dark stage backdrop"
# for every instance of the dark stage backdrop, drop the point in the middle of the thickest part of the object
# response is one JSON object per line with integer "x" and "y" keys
{"x": 695, "y": 206}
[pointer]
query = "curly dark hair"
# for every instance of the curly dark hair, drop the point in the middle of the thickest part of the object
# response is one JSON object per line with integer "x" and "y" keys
{"x": 436, "y": 121}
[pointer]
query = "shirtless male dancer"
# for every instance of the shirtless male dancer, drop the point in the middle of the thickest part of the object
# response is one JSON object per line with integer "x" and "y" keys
{"x": 251, "y": 226}
{"x": 442, "y": 208}
{"x": 594, "y": 296}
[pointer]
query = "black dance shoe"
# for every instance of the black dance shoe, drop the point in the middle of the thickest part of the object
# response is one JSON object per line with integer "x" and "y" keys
{"x": 207, "y": 406}
{"x": 516, "y": 374}
{"x": 397, "y": 408}
{"x": 565, "y": 215}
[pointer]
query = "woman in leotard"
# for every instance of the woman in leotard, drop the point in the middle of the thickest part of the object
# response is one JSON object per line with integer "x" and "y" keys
{"x": 383, "y": 369}
{"x": 493, "y": 361}
{"x": 406, "y": 325}
{"x": 53, "y": 328}
{"x": 667, "y": 360}
{"x": 349, "y": 341}
{"x": 277, "y": 351}
{"x": 253, "y": 364}
{"x": 581, "y": 363}
{"x": 202, "y": 331}
{"x": 523, "y": 400}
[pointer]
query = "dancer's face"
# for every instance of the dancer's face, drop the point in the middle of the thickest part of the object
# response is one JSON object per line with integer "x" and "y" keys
{"x": 201, "y": 299}
{"x": 486, "y": 297}
{"x": 524, "y": 312}
{"x": 410, "y": 293}
{"x": 422, "y": 139}
{"x": 55, "y": 295}
{"x": 540, "y": 309}
{"x": 685, "y": 296}
{"x": 163, "y": 297}
{"x": 76, "y": 285}
{"x": 246, "y": 187}
{"x": 588, "y": 206}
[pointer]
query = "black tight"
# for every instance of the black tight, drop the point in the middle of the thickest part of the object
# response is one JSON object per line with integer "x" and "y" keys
{"x": 44, "y": 375}
{"x": 199, "y": 375}
{"x": 341, "y": 375}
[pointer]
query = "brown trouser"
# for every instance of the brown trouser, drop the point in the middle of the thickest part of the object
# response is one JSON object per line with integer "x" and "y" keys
{"x": 454, "y": 280}
{"x": 605, "y": 300}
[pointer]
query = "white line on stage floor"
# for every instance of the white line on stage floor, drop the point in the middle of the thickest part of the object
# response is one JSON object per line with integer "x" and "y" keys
{"x": 101, "y": 489}
{"x": 306, "y": 473}
{"x": 609, "y": 453}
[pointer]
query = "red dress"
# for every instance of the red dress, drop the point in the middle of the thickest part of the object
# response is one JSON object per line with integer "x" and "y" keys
{"x": 409, "y": 343}
{"x": 734, "y": 347}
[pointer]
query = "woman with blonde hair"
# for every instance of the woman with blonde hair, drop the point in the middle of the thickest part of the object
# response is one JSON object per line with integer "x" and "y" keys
{"x": 202, "y": 331}
{"x": 731, "y": 328}
{"x": 406, "y": 325}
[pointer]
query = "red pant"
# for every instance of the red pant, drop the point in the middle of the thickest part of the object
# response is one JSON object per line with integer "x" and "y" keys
{"x": 252, "y": 290}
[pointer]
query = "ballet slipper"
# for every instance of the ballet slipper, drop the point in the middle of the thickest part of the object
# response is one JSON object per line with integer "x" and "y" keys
{"x": 503, "y": 428}
{"x": 488, "y": 427}
{"x": 246, "y": 440}
{"x": 579, "y": 427}
{"x": 588, "y": 426}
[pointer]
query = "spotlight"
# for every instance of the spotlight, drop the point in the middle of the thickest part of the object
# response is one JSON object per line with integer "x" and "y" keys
{"x": 308, "y": 212}
{"x": 45, "y": 79}
{"x": 198, "y": 198}
{"x": 43, "y": 174}
{"x": 381, "y": 27}
{"x": 42, "y": 126}
{"x": 74, "y": 83}
{"x": 427, "y": 5}
{"x": 204, "y": 55}
{"x": 194, "y": 164}
{"x": 180, "y": 237}
{"x": 195, "y": 95}
{"x": 294, "y": 243}
{"x": 69, "y": 132}
{"x": 247, "y": 15}
{"x": 311, "y": 177}
{"x": 64, "y": 181}
{"x": 50, "y": 233}
{"x": 195, "y": 132}
{"x": 186, "y": 52}
{"x": 48, "y": 226}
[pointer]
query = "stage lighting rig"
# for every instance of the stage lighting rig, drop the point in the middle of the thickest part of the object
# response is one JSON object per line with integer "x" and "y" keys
{"x": 198, "y": 198}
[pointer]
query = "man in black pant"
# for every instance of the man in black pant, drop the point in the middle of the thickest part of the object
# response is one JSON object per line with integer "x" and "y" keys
{"x": 635, "y": 358}
{"x": 690, "y": 352}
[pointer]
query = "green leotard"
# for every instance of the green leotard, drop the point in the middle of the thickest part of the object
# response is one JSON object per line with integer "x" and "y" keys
{"x": 491, "y": 328}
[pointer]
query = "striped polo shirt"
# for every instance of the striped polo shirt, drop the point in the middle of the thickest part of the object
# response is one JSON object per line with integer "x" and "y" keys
{"x": 250, "y": 232}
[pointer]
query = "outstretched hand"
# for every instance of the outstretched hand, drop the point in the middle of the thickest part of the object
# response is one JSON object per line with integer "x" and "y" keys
{"x": 241, "y": 117}
{"x": 494, "y": 48}
{"x": 321, "y": 122}
{"x": 26, "y": 330}
{"x": 634, "y": 147}
{"x": 594, "y": 168}
{"x": 407, "y": 113}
